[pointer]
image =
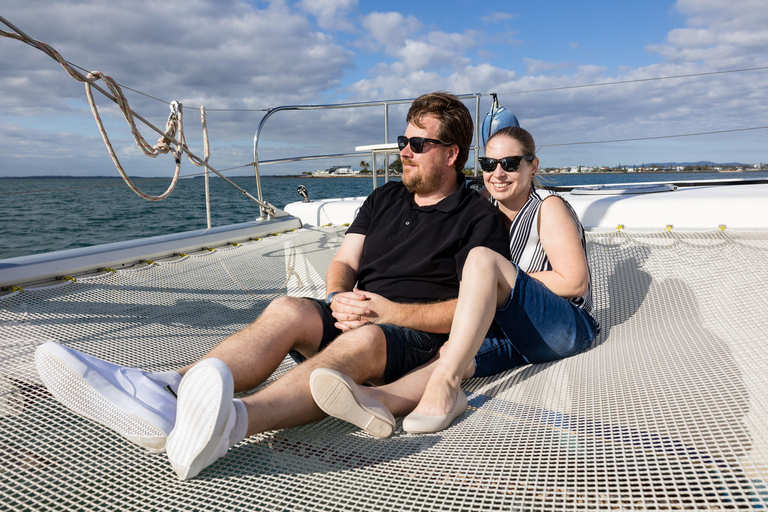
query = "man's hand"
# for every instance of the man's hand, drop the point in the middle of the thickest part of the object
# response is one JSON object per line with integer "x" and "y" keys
{"x": 358, "y": 308}
{"x": 380, "y": 310}
{"x": 350, "y": 309}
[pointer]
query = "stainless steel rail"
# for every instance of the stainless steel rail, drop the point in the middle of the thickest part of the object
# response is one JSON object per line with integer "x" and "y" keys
{"x": 363, "y": 104}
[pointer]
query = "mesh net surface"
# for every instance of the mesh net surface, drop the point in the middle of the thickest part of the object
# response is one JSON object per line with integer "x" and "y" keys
{"x": 666, "y": 411}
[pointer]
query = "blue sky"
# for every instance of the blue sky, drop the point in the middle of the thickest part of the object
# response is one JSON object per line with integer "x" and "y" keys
{"x": 235, "y": 54}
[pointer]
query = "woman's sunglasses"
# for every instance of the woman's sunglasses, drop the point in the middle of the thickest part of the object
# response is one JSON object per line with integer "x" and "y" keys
{"x": 417, "y": 143}
{"x": 508, "y": 163}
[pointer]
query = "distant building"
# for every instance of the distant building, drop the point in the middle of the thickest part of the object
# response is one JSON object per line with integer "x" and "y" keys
{"x": 337, "y": 170}
{"x": 343, "y": 170}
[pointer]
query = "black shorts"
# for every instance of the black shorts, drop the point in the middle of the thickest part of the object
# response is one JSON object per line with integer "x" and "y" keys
{"x": 407, "y": 349}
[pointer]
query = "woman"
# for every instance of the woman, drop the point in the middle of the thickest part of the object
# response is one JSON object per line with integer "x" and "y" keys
{"x": 535, "y": 308}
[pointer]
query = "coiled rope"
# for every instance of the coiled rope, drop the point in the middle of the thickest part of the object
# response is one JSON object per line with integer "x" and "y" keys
{"x": 173, "y": 134}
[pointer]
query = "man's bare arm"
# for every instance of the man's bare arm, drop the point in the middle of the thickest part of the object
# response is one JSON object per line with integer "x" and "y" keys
{"x": 373, "y": 308}
{"x": 342, "y": 276}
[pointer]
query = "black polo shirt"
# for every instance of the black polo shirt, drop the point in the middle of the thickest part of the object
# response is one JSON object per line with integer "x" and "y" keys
{"x": 415, "y": 254}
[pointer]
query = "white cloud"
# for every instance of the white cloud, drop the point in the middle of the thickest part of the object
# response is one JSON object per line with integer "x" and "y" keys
{"x": 497, "y": 17}
{"x": 223, "y": 54}
{"x": 435, "y": 51}
{"x": 226, "y": 53}
{"x": 718, "y": 34}
{"x": 331, "y": 14}
{"x": 388, "y": 31}
{"x": 403, "y": 37}
{"x": 230, "y": 54}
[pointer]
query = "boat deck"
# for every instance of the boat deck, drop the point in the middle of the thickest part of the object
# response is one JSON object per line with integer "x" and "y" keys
{"x": 666, "y": 411}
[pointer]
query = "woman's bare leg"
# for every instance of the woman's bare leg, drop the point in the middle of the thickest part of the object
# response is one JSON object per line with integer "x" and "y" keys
{"x": 486, "y": 284}
{"x": 431, "y": 389}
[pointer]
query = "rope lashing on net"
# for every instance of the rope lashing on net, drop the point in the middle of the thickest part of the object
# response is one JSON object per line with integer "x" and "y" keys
{"x": 174, "y": 133}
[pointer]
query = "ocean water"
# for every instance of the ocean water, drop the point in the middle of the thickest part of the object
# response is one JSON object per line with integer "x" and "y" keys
{"x": 43, "y": 215}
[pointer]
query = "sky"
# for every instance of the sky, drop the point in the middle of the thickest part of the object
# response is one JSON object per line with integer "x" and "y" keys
{"x": 239, "y": 57}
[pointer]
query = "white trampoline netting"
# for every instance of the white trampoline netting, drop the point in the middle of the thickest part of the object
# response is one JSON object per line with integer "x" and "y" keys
{"x": 668, "y": 410}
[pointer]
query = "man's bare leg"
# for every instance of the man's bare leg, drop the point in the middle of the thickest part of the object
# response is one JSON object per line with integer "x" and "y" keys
{"x": 255, "y": 352}
{"x": 209, "y": 421}
{"x": 141, "y": 405}
{"x": 361, "y": 354}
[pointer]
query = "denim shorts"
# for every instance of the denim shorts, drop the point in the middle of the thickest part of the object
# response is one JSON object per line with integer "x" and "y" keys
{"x": 407, "y": 349}
{"x": 534, "y": 326}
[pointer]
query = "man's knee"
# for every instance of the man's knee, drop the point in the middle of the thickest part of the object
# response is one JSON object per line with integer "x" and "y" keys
{"x": 366, "y": 339}
{"x": 360, "y": 353}
{"x": 297, "y": 319}
{"x": 287, "y": 307}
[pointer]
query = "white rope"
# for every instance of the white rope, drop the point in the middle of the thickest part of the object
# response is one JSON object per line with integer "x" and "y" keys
{"x": 174, "y": 129}
{"x": 174, "y": 132}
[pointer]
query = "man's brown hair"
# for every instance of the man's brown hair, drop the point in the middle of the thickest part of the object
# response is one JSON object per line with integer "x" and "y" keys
{"x": 456, "y": 125}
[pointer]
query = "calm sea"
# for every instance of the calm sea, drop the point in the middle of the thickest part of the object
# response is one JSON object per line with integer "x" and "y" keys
{"x": 42, "y": 215}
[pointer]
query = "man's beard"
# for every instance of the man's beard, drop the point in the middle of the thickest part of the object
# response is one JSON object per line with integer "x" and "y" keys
{"x": 420, "y": 181}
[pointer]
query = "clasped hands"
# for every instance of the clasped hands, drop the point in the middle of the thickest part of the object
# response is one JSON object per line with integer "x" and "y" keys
{"x": 356, "y": 308}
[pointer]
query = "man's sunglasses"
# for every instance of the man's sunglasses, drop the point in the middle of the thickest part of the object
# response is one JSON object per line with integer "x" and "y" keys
{"x": 417, "y": 143}
{"x": 508, "y": 163}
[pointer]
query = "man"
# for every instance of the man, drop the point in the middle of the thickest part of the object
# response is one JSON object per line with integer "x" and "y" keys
{"x": 391, "y": 296}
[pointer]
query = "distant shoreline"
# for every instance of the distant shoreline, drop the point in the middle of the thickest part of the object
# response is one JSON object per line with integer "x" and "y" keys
{"x": 357, "y": 176}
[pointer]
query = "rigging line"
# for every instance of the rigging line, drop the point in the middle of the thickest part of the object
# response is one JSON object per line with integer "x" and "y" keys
{"x": 90, "y": 80}
{"x": 238, "y": 109}
{"x": 86, "y": 71}
{"x": 653, "y": 138}
{"x": 637, "y": 80}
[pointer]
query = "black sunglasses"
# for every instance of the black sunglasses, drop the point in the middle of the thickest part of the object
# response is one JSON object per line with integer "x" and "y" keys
{"x": 417, "y": 143}
{"x": 508, "y": 163}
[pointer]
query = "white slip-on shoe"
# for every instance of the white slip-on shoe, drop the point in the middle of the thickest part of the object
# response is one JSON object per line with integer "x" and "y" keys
{"x": 426, "y": 424}
{"x": 138, "y": 405}
{"x": 339, "y": 396}
{"x": 205, "y": 418}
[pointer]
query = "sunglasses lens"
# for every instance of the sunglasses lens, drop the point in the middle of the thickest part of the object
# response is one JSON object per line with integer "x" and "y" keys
{"x": 417, "y": 143}
{"x": 487, "y": 164}
{"x": 510, "y": 163}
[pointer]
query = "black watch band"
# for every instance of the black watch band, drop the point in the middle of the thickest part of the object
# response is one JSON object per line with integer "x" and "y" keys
{"x": 329, "y": 298}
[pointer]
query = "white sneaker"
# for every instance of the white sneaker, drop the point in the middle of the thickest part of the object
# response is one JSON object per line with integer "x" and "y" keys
{"x": 206, "y": 418}
{"x": 138, "y": 405}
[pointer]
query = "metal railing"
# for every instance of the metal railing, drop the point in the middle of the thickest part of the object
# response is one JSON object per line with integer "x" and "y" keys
{"x": 385, "y": 103}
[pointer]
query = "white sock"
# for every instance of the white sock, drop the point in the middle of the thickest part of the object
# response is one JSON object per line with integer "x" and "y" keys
{"x": 240, "y": 428}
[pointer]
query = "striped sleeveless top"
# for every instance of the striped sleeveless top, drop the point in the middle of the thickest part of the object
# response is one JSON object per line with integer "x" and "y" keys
{"x": 525, "y": 247}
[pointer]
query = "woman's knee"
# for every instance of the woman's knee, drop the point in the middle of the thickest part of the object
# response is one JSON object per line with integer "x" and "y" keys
{"x": 483, "y": 259}
{"x": 480, "y": 255}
